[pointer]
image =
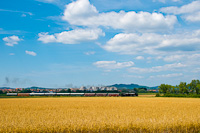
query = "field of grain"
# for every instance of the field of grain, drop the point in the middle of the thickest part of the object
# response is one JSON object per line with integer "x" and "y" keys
{"x": 100, "y": 114}
{"x": 146, "y": 95}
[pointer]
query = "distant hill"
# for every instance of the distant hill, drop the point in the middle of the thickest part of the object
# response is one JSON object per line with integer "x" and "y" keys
{"x": 35, "y": 87}
{"x": 6, "y": 88}
{"x": 130, "y": 86}
{"x": 118, "y": 86}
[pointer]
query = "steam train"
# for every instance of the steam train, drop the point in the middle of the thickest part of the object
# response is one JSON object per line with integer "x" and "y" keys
{"x": 74, "y": 94}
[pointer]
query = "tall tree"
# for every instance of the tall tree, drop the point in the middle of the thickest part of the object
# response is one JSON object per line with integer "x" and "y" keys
{"x": 198, "y": 89}
{"x": 165, "y": 88}
{"x": 183, "y": 88}
{"x": 173, "y": 89}
{"x": 193, "y": 86}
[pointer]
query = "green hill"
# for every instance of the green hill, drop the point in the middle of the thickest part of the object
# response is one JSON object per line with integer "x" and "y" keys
{"x": 131, "y": 86}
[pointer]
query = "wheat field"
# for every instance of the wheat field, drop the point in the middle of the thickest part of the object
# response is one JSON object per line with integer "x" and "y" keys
{"x": 100, "y": 114}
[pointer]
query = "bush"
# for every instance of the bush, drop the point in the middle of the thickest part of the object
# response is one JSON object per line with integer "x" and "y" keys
{"x": 182, "y": 95}
{"x": 157, "y": 94}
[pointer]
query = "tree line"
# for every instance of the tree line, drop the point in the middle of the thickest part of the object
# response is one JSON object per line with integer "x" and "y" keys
{"x": 193, "y": 88}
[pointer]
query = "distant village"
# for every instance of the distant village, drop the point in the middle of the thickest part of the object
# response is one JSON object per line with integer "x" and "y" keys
{"x": 38, "y": 89}
{"x": 116, "y": 88}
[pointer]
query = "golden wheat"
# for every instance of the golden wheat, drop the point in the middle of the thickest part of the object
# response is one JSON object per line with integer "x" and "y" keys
{"x": 102, "y": 114}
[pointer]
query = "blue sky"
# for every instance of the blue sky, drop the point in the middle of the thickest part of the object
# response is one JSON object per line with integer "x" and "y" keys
{"x": 65, "y": 43}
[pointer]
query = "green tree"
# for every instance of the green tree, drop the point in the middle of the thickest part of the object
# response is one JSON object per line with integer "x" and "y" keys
{"x": 69, "y": 90}
{"x": 136, "y": 90}
{"x": 26, "y": 91}
{"x": 177, "y": 89}
{"x": 1, "y": 92}
{"x": 142, "y": 90}
{"x": 198, "y": 89}
{"x": 193, "y": 86}
{"x": 165, "y": 88}
{"x": 183, "y": 88}
{"x": 62, "y": 91}
{"x": 173, "y": 90}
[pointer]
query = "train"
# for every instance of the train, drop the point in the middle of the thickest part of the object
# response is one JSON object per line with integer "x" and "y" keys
{"x": 74, "y": 94}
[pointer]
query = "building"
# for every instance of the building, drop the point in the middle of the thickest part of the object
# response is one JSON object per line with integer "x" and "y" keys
{"x": 83, "y": 88}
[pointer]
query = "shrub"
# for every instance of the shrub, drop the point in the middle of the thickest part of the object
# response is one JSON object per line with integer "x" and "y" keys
{"x": 157, "y": 94}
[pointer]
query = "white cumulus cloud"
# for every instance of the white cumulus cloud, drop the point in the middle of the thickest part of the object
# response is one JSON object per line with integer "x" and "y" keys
{"x": 165, "y": 1}
{"x": 113, "y": 64}
{"x": 152, "y": 43}
{"x": 189, "y": 8}
{"x": 139, "y": 58}
{"x": 167, "y": 67}
{"x": 12, "y": 54}
{"x": 82, "y": 13}
{"x": 89, "y": 53}
{"x": 48, "y": 1}
{"x": 72, "y": 37}
{"x": 11, "y": 40}
{"x": 195, "y": 17}
{"x": 191, "y": 59}
{"x": 190, "y": 12}
{"x": 30, "y": 53}
{"x": 167, "y": 75}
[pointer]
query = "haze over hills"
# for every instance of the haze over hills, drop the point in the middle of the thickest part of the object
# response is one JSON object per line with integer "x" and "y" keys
{"x": 131, "y": 86}
{"x": 118, "y": 86}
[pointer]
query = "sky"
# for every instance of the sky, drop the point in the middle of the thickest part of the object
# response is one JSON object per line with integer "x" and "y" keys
{"x": 73, "y": 43}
